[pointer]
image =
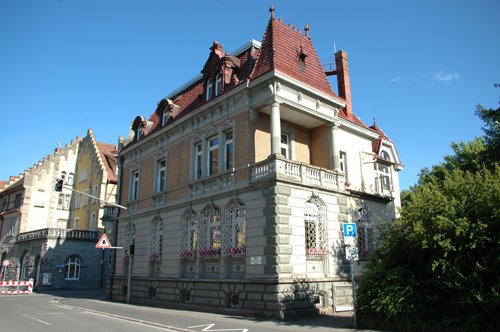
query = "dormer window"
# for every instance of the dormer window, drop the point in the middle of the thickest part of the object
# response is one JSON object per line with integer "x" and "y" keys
{"x": 164, "y": 117}
{"x": 138, "y": 133}
{"x": 208, "y": 94}
{"x": 218, "y": 84}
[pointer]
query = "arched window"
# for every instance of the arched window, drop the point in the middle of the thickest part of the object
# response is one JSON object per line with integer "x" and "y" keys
{"x": 72, "y": 271}
{"x": 164, "y": 118}
{"x": 70, "y": 179}
{"x": 24, "y": 267}
{"x": 234, "y": 229}
{"x": 155, "y": 240}
{"x": 316, "y": 233}
{"x": 218, "y": 84}
{"x": 189, "y": 234}
{"x": 63, "y": 176}
{"x": 210, "y": 232}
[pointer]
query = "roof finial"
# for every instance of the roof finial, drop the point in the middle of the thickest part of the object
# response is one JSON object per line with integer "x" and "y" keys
{"x": 306, "y": 29}
{"x": 374, "y": 121}
{"x": 271, "y": 10}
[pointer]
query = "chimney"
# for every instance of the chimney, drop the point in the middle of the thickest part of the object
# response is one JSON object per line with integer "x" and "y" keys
{"x": 343, "y": 81}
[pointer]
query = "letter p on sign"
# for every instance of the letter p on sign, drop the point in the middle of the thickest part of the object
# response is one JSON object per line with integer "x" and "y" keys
{"x": 350, "y": 230}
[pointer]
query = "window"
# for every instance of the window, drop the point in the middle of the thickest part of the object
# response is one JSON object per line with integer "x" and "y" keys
{"x": 234, "y": 229}
{"x": 72, "y": 270}
{"x": 164, "y": 118}
{"x": 63, "y": 176}
{"x": 210, "y": 232}
{"x": 229, "y": 150}
{"x": 161, "y": 175}
{"x": 198, "y": 160}
{"x": 95, "y": 194}
{"x": 213, "y": 156}
{"x": 39, "y": 198}
{"x": 134, "y": 193}
{"x": 208, "y": 95}
{"x": 85, "y": 198}
{"x": 76, "y": 224}
{"x": 218, "y": 84}
{"x": 17, "y": 200}
{"x": 138, "y": 133}
{"x": 343, "y": 163}
{"x": 63, "y": 201}
{"x": 315, "y": 229}
{"x": 284, "y": 146}
{"x": 70, "y": 179}
{"x": 62, "y": 223}
{"x": 189, "y": 235}
{"x": 77, "y": 201}
{"x": 382, "y": 178}
{"x": 25, "y": 262}
{"x": 93, "y": 222}
{"x": 83, "y": 175}
{"x": 156, "y": 240}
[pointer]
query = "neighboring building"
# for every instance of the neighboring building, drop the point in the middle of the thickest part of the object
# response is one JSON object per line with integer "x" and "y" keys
{"x": 95, "y": 175}
{"x": 238, "y": 185}
{"x": 36, "y": 233}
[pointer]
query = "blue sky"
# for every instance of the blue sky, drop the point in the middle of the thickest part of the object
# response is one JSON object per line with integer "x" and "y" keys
{"x": 419, "y": 67}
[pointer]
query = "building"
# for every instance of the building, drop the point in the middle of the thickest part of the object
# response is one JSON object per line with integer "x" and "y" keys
{"x": 238, "y": 185}
{"x": 40, "y": 233}
{"x": 95, "y": 175}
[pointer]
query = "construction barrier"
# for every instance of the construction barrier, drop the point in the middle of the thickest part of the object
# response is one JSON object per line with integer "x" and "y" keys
{"x": 17, "y": 284}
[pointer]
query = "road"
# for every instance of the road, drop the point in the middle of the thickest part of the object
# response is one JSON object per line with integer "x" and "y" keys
{"x": 87, "y": 311}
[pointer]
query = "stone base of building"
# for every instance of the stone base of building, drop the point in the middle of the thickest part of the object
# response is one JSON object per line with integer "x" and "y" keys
{"x": 283, "y": 299}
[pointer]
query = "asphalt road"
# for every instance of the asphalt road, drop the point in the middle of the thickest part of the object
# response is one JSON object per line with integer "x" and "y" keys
{"x": 87, "y": 311}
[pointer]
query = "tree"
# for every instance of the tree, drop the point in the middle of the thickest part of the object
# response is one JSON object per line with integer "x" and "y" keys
{"x": 437, "y": 267}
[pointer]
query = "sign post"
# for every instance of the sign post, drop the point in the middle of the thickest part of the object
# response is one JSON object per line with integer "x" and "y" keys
{"x": 352, "y": 255}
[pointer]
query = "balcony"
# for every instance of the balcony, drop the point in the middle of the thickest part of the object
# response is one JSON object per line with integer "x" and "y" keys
{"x": 289, "y": 170}
{"x": 54, "y": 233}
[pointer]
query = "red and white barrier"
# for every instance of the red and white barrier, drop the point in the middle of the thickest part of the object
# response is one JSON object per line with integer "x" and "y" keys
{"x": 17, "y": 284}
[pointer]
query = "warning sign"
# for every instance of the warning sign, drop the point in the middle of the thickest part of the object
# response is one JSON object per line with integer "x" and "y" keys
{"x": 103, "y": 242}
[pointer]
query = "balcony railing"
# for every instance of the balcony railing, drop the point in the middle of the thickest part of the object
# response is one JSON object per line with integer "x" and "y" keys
{"x": 284, "y": 169}
{"x": 54, "y": 233}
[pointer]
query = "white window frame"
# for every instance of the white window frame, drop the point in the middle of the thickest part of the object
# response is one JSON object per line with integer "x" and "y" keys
{"x": 161, "y": 175}
{"x": 343, "y": 163}
{"x": 285, "y": 146}
{"x": 85, "y": 198}
{"x": 72, "y": 269}
{"x": 213, "y": 153}
{"x": 94, "y": 193}
{"x": 208, "y": 92}
{"x": 93, "y": 222}
{"x": 218, "y": 84}
{"x": 71, "y": 177}
{"x": 198, "y": 160}
{"x": 228, "y": 150}
{"x": 77, "y": 201}
{"x": 134, "y": 185}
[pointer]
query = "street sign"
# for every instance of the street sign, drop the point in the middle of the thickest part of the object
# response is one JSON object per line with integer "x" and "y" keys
{"x": 6, "y": 262}
{"x": 350, "y": 230}
{"x": 103, "y": 242}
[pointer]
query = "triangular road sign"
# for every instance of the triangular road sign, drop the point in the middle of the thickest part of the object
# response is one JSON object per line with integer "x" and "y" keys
{"x": 103, "y": 242}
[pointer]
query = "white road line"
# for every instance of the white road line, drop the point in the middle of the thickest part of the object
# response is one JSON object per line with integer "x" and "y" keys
{"x": 38, "y": 320}
{"x": 208, "y": 328}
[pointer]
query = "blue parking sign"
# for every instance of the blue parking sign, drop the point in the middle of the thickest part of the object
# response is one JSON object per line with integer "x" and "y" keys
{"x": 350, "y": 230}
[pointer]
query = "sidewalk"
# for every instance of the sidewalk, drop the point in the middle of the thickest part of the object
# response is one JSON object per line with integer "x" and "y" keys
{"x": 94, "y": 301}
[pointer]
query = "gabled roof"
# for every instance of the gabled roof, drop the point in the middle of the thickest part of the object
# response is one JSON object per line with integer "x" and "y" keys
{"x": 286, "y": 50}
{"x": 105, "y": 156}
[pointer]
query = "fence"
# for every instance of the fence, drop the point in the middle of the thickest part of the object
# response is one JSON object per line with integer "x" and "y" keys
{"x": 16, "y": 284}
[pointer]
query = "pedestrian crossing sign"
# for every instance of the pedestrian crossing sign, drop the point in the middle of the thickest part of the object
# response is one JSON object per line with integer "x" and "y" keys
{"x": 103, "y": 242}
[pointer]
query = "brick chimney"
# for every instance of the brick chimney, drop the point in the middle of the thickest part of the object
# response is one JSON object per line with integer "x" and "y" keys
{"x": 343, "y": 81}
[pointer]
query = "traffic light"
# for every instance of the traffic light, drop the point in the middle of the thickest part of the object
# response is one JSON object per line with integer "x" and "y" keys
{"x": 59, "y": 185}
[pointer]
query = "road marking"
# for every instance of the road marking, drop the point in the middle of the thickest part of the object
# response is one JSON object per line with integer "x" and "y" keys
{"x": 38, "y": 320}
{"x": 209, "y": 328}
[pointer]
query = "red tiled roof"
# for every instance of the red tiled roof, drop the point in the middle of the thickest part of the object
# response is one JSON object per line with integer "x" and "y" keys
{"x": 108, "y": 159}
{"x": 282, "y": 47}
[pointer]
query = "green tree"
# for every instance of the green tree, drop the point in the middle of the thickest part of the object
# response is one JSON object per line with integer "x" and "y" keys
{"x": 437, "y": 268}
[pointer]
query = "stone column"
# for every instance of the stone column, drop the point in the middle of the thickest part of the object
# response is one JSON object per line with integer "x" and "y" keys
{"x": 334, "y": 147}
{"x": 275, "y": 128}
